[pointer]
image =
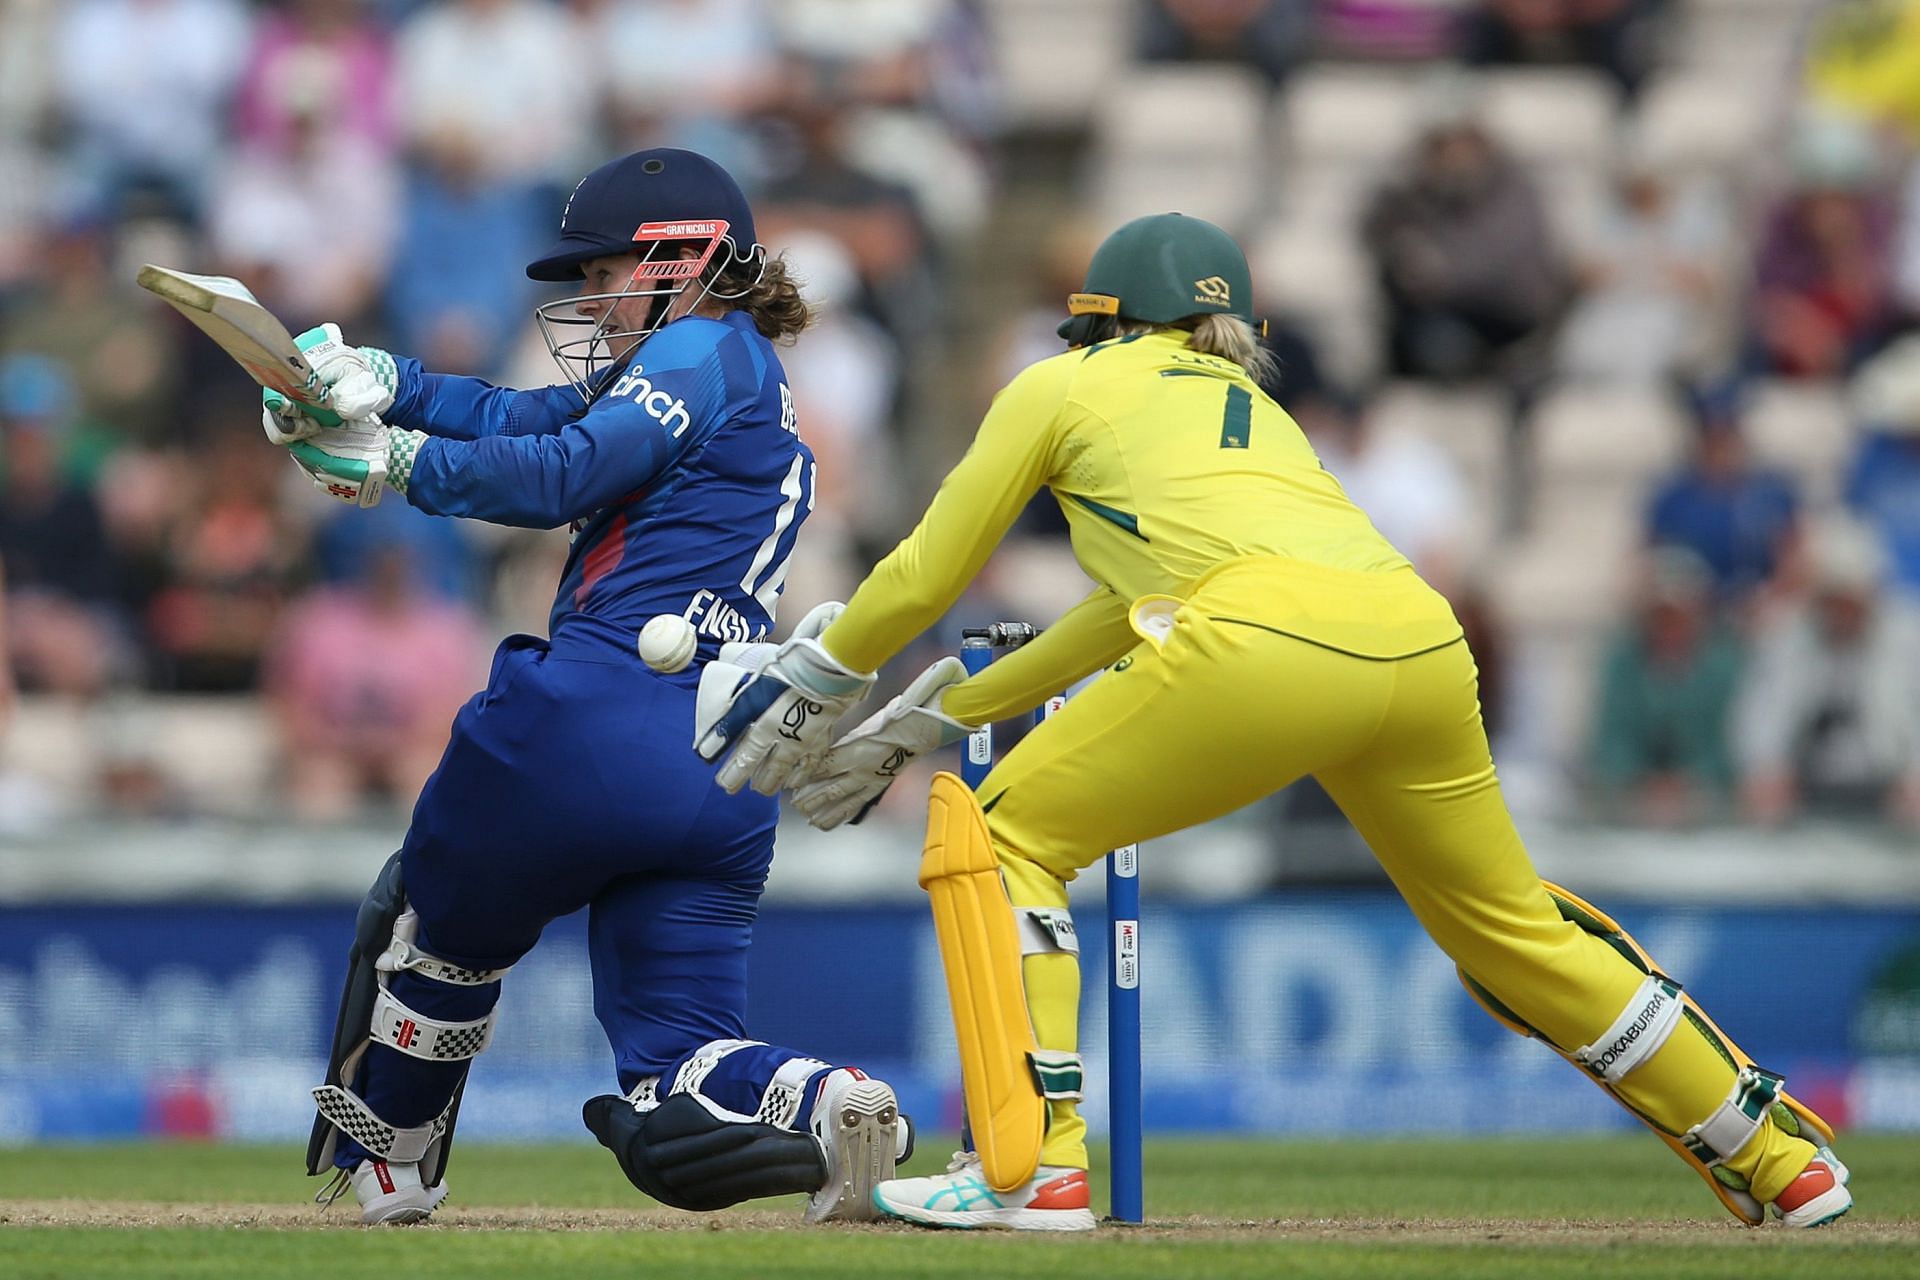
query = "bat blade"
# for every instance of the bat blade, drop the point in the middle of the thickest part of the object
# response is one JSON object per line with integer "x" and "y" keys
{"x": 226, "y": 311}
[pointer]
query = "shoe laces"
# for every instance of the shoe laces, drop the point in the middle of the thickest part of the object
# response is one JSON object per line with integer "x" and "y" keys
{"x": 335, "y": 1187}
{"x": 961, "y": 1161}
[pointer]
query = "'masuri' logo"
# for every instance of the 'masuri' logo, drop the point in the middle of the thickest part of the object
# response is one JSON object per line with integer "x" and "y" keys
{"x": 1213, "y": 290}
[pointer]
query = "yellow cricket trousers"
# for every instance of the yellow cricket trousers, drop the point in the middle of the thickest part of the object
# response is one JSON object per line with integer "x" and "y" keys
{"x": 1225, "y": 712}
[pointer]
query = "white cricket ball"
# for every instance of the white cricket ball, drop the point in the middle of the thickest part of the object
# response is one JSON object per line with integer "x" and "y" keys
{"x": 667, "y": 642}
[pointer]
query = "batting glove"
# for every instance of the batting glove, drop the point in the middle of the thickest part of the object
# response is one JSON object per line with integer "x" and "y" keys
{"x": 774, "y": 723}
{"x": 360, "y": 382}
{"x": 355, "y": 461}
{"x": 853, "y": 776}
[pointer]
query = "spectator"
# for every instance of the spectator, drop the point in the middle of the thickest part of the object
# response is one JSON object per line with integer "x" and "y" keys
{"x": 1408, "y": 29}
{"x": 1660, "y": 753}
{"x": 1740, "y": 520}
{"x": 62, "y": 634}
{"x": 820, "y": 186}
{"x": 1824, "y": 275}
{"x": 1865, "y": 60}
{"x": 1828, "y": 715}
{"x": 278, "y": 221}
{"x": 1648, "y": 282}
{"x": 143, "y": 84}
{"x": 1883, "y": 486}
{"x": 1906, "y": 283}
{"x": 1408, "y": 485}
{"x": 447, "y": 306}
{"x": 1616, "y": 37}
{"x": 722, "y": 73}
{"x": 1465, "y": 257}
{"x": 310, "y": 53}
{"x": 228, "y": 559}
{"x": 845, "y": 377}
{"x": 364, "y": 681}
{"x": 1271, "y": 35}
{"x": 125, "y": 357}
{"x": 505, "y": 83}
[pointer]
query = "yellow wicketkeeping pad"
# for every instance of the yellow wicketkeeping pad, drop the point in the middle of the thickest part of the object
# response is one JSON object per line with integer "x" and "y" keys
{"x": 1574, "y": 907}
{"x": 980, "y": 951}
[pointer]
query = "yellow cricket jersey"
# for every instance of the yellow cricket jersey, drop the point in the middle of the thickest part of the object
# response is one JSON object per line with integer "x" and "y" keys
{"x": 1168, "y": 465}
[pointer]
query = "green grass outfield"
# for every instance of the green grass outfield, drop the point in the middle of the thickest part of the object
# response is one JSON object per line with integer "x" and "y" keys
{"x": 1406, "y": 1209}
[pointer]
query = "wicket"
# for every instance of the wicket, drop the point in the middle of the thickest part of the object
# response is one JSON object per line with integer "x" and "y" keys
{"x": 978, "y": 647}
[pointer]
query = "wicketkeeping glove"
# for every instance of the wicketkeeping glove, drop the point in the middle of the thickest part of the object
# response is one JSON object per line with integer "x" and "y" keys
{"x": 777, "y": 721}
{"x": 853, "y": 776}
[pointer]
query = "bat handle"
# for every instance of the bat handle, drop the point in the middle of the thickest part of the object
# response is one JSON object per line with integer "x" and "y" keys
{"x": 280, "y": 404}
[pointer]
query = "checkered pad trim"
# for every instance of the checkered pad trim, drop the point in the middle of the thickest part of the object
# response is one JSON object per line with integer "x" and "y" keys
{"x": 645, "y": 1096}
{"x": 419, "y": 1036}
{"x": 401, "y": 955}
{"x": 403, "y": 447}
{"x": 780, "y": 1104}
{"x": 347, "y": 1113}
{"x": 695, "y": 1070}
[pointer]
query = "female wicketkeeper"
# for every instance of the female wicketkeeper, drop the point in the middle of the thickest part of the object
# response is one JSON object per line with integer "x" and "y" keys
{"x": 1256, "y": 628}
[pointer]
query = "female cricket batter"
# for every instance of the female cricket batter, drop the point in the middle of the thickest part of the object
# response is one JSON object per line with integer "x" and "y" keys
{"x": 675, "y": 456}
{"x": 1256, "y": 628}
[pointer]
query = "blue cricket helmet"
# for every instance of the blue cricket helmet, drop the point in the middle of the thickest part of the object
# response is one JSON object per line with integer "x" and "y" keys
{"x": 663, "y": 188}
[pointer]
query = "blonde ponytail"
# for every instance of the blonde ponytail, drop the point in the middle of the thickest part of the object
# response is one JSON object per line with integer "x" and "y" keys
{"x": 1228, "y": 337}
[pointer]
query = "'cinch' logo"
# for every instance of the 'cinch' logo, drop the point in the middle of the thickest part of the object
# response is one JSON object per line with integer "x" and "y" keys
{"x": 1213, "y": 290}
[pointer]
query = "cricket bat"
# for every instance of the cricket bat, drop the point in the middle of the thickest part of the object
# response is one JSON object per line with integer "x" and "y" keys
{"x": 226, "y": 311}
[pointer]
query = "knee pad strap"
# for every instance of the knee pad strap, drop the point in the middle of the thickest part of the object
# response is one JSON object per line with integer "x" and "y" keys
{"x": 402, "y": 955}
{"x": 1046, "y": 931}
{"x": 1725, "y": 1133}
{"x": 1637, "y": 1034}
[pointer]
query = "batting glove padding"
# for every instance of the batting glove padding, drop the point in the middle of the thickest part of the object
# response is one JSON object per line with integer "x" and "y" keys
{"x": 861, "y": 766}
{"x": 774, "y": 724}
{"x": 360, "y": 381}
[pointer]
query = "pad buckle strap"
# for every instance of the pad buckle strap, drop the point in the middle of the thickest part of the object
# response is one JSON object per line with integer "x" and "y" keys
{"x": 419, "y": 1036}
{"x": 346, "y": 1112}
{"x": 403, "y": 955}
{"x": 1046, "y": 931}
{"x": 1725, "y": 1133}
{"x": 1637, "y": 1034}
{"x": 780, "y": 1104}
{"x": 1058, "y": 1074}
{"x": 695, "y": 1070}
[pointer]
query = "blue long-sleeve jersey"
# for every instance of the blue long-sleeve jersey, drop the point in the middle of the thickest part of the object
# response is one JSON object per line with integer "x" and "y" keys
{"x": 685, "y": 479}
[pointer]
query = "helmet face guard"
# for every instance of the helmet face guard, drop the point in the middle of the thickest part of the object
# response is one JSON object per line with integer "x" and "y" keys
{"x": 662, "y": 275}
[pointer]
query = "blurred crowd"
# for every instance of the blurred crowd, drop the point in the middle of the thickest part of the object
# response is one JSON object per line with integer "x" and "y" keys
{"x": 391, "y": 164}
{"x": 1762, "y": 663}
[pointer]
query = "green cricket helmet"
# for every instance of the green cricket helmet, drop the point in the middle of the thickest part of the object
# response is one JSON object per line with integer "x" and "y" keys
{"x": 1160, "y": 269}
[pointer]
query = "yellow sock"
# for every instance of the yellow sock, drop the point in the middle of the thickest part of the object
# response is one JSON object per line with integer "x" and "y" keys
{"x": 1053, "y": 1002}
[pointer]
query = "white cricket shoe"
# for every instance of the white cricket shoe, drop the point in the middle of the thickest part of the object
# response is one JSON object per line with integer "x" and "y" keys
{"x": 1056, "y": 1199}
{"x": 391, "y": 1194}
{"x": 1818, "y": 1196}
{"x": 858, "y": 1123}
